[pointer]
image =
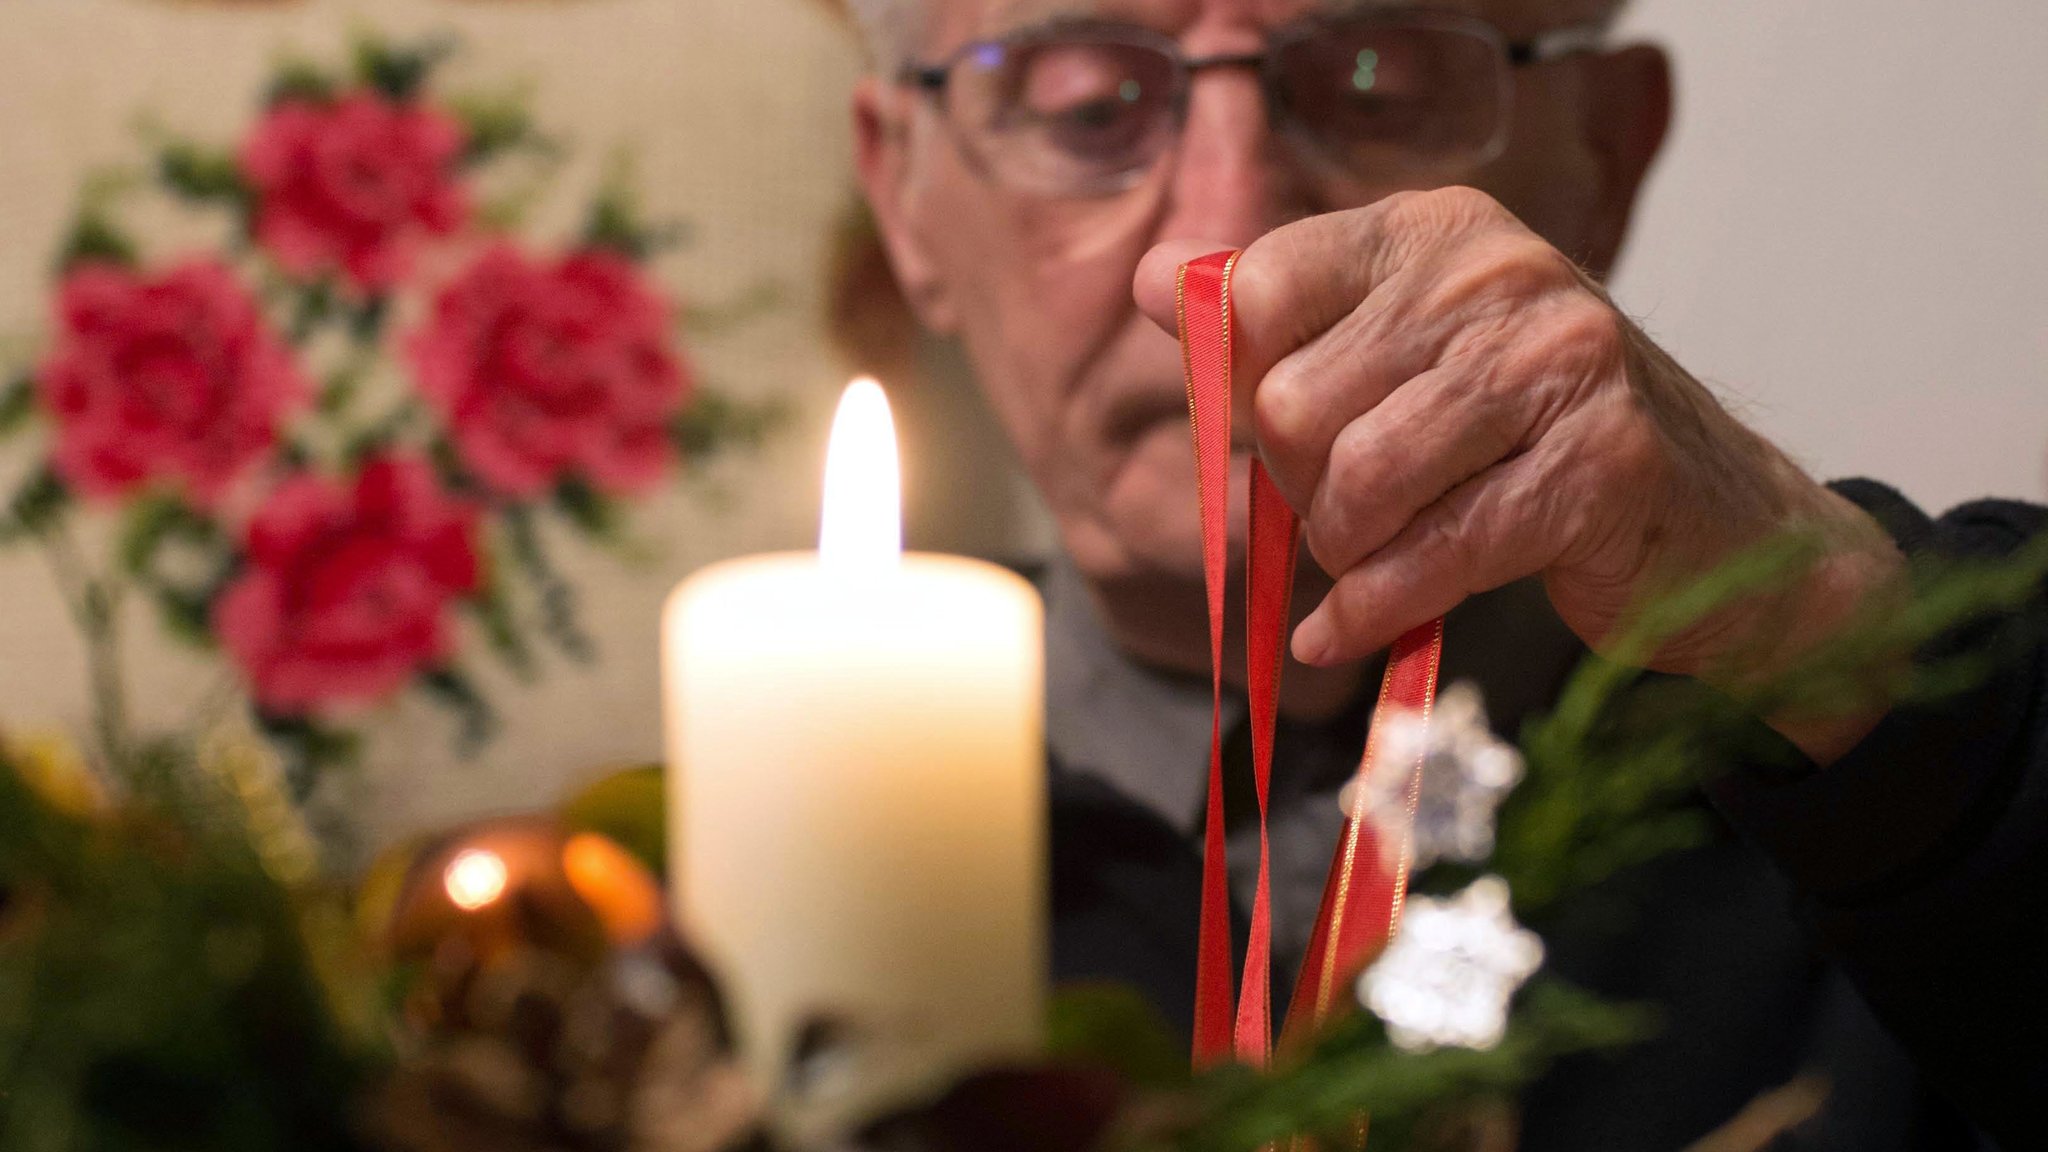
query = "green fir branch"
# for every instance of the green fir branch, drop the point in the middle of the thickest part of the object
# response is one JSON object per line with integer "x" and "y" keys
{"x": 1353, "y": 1072}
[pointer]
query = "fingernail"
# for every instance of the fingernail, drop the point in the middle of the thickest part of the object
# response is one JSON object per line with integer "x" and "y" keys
{"x": 1312, "y": 641}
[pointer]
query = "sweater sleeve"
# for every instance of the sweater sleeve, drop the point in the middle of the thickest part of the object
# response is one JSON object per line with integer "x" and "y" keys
{"x": 1923, "y": 854}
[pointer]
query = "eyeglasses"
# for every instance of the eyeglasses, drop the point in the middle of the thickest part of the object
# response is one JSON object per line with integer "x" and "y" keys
{"x": 1085, "y": 108}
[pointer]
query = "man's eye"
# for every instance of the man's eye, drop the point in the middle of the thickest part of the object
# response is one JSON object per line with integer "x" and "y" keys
{"x": 1096, "y": 115}
{"x": 1084, "y": 99}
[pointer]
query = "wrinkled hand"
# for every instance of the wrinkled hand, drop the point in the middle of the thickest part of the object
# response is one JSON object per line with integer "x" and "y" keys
{"x": 1451, "y": 405}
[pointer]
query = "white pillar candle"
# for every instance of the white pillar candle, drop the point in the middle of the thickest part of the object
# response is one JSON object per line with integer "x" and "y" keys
{"x": 856, "y": 782}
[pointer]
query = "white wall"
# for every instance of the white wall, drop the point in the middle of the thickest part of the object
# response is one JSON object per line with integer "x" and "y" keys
{"x": 1849, "y": 233}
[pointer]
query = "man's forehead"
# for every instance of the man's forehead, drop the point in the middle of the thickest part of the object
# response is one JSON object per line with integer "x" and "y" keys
{"x": 1516, "y": 17}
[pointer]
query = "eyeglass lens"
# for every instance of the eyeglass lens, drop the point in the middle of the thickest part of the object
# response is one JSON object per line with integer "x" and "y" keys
{"x": 1086, "y": 111}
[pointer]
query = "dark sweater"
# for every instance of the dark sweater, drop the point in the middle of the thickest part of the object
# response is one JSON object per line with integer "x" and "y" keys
{"x": 1907, "y": 883}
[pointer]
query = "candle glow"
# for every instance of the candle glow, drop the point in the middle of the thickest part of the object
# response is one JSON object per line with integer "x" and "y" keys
{"x": 474, "y": 878}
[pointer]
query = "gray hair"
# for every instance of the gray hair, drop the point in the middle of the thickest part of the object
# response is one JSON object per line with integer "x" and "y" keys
{"x": 891, "y": 29}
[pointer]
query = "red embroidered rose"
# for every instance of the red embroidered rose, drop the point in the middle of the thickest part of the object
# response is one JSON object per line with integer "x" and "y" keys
{"x": 346, "y": 586}
{"x": 173, "y": 377}
{"x": 354, "y": 184}
{"x": 547, "y": 369}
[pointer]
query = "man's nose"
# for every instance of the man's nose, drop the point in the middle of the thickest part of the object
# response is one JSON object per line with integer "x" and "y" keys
{"x": 1233, "y": 180}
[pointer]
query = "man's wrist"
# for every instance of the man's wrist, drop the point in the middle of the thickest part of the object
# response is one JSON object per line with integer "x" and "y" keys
{"x": 1860, "y": 574}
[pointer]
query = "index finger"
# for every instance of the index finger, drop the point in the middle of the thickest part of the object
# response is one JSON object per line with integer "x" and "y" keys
{"x": 1289, "y": 286}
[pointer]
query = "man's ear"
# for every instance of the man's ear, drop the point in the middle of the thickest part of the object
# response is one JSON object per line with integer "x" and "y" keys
{"x": 1627, "y": 116}
{"x": 882, "y": 159}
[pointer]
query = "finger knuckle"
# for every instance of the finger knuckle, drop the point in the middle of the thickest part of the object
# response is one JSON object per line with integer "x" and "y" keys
{"x": 1630, "y": 453}
{"x": 1579, "y": 353}
{"x": 1462, "y": 204}
{"x": 1338, "y": 530}
{"x": 1284, "y": 410}
{"x": 1441, "y": 537}
{"x": 1501, "y": 277}
{"x": 1586, "y": 331}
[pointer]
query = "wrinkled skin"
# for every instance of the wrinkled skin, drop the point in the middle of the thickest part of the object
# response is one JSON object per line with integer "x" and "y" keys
{"x": 1433, "y": 375}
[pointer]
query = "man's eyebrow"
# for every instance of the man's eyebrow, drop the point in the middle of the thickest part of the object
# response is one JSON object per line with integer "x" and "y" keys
{"x": 1013, "y": 15}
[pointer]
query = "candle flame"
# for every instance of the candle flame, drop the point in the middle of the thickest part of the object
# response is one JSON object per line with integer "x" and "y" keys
{"x": 862, "y": 524}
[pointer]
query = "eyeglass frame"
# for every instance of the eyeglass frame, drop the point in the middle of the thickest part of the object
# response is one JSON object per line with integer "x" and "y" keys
{"x": 933, "y": 78}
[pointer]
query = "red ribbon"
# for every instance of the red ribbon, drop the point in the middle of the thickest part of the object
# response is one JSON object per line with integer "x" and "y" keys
{"x": 1362, "y": 899}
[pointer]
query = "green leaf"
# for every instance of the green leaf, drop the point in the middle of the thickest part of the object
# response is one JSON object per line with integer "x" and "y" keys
{"x": 494, "y": 123}
{"x": 1116, "y": 1027}
{"x": 598, "y": 515}
{"x": 400, "y": 71}
{"x": 560, "y": 620}
{"x": 717, "y": 421}
{"x": 36, "y": 506}
{"x": 380, "y": 434}
{"x": 186, "y": 615}
{"x": 201, "y": 174}
{"x": 148, "y": 524}
{"x": 312, "y": 304}
{"x": 453, "y": 689}
{"x": 614, "y": 221}
{"x": 149, "y": 521}
{"x": 339, "y": 391}
{"x": 94, "y": 238}
{"x": 17, "y": 404}
{"x": 366, "y": 321}
{"x": 492, "y": 607}
{"x": 310, "y": 748}
{"x": 300, "y": 80}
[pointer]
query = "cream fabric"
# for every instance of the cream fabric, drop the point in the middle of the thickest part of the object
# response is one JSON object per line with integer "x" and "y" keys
{"x": 736, "y": 109}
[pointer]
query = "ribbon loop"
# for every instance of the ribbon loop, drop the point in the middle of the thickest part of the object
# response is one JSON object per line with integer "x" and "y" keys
{"x": 1362, "y": 899}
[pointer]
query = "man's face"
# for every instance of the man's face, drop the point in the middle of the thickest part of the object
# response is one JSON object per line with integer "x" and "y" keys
{"x": 1039, "y": 287}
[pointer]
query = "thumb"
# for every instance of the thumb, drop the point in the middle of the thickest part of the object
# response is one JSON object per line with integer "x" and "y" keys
{"x": 1156, "y": 286}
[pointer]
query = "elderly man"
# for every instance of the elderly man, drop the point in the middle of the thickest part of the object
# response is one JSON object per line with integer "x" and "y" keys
{"x": 1465, "y": 423}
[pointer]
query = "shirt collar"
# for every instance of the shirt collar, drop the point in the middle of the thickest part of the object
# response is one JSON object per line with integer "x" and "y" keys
{"x": 1140, "y": 730}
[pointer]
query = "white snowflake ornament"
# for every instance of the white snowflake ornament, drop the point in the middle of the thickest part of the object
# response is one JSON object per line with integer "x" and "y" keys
{"x": 1466, "y": 772}
{"x": 1447, "y": 977}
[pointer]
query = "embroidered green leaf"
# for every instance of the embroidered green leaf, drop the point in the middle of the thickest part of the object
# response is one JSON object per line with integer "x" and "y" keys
{"x": 36, "y": 506}
{"x": 17, "y": 404}
{"x": 453, "y": 689}
{"x": 200, "y": 174}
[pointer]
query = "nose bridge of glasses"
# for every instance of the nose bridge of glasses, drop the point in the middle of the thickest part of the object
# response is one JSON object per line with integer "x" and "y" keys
{"x": 1195, "y": 66}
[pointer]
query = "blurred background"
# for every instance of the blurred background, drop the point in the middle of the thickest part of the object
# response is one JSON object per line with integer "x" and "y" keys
{"x": 1847, "y": 238}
